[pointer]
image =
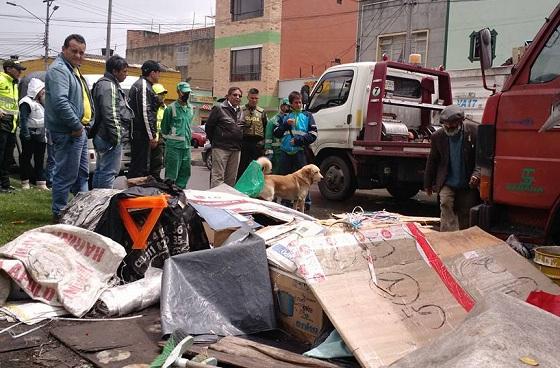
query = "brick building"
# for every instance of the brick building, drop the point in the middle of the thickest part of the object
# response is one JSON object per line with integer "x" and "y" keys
{"x": 259, "y": 42}
{"x": 191, "y": 52}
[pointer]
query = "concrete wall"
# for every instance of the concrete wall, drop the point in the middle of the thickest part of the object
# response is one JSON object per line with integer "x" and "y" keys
{"x": 515, "y": 21}
{"x": 263, "y": 31}
{"x": 392, "y": 17}
{"x": 144, "y": 45}
{"x": 314, "y": 34}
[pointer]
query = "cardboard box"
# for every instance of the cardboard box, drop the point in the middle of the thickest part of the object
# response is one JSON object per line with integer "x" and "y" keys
{"x": 299, "y": 313}
{"x": 216, "y": 237}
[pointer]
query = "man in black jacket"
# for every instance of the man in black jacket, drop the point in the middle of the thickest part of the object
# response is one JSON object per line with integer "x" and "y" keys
{"x": 144, "y": 103}
{"x": 450, "y": 169}
{"x": 113, "y": 112}
{"x": 223, "y": 129}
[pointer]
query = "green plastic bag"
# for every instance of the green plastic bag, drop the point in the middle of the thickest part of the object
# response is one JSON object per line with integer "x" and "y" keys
{"x": 252, "y": 180}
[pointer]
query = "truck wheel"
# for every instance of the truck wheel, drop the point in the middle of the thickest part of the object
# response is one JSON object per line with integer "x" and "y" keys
{"x": 338, "y": 180}
{"x": 403, "y": 191}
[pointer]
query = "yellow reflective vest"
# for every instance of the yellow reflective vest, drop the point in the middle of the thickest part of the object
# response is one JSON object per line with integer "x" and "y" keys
{"x": 9, "y": 100}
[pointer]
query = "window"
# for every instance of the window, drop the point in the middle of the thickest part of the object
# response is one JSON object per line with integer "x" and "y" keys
{"x": 474, "y": 49}
{"x": 333, "y": 90}
{"x": 246, "y": 64}
{"x": 403, "y": 87}
{"x": 546, "y": 67}
{"x": 393, "y": 46}
{"x": 246, "y": 9}
{"x": 182, "y": 55}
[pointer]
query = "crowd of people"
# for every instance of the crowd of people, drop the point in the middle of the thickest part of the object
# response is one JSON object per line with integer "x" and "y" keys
{"x": 59, "y": 115}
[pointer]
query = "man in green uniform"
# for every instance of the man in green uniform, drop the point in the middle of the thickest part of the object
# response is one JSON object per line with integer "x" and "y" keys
{"x": 271, "y": 143}
{"x": 176, "y": 132}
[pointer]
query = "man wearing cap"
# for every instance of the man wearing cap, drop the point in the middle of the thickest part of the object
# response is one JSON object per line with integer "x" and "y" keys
{"x": 156, "y": 154}
{"x": 271, "y": 143}
{"x": 144, "y": 103}
{"x": 8, "y": 118}
{"x": 68, "y": 112}
{"x": 113, "y": 113}
{"x": 450, "y": 169}
{"x": 176, "y": 131}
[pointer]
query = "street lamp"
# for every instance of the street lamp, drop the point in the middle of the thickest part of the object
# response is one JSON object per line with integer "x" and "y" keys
{"x": 46, "y": 23}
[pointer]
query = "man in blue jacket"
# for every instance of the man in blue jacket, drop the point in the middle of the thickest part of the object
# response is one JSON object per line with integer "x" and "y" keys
{"x": 68, "y": 113}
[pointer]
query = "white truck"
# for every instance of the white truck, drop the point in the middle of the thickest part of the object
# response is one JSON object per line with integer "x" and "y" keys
{"x": 375, "y": 120}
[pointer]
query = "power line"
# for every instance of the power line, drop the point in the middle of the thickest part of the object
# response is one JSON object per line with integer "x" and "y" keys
{"x": 394, "y": 18}
{"x": 67, "y": 20}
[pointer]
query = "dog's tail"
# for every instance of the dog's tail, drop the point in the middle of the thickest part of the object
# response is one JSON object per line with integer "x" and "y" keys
{"x": 265, "y": 164}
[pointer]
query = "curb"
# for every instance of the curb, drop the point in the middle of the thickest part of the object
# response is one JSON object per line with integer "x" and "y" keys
{"x": 197, "y": 163}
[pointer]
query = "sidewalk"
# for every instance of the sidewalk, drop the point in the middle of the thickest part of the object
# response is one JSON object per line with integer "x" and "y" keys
{"x": 196, "y": 157}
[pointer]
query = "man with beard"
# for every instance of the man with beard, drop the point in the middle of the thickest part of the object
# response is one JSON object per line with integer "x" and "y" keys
{"x": 450, "y": 169}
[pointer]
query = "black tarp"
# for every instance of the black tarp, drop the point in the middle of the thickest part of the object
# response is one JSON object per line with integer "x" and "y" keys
{"x": 223, "y": 291}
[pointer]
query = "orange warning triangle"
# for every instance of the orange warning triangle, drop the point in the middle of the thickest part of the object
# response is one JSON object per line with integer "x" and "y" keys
{"x": 139, "y": 234}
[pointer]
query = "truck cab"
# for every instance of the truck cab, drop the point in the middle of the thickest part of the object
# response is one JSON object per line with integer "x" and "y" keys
{"x": 519, "y": 146}
{"x": 375, "y": 120}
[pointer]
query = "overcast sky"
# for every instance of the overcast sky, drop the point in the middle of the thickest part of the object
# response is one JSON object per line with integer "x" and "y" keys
{"x": 22, "y": 34}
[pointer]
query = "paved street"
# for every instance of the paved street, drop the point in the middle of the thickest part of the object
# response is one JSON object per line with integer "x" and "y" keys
{"x": 369, "y": 200}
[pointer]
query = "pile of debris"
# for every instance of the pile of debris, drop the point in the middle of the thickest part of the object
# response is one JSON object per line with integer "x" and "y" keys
{"x": 213, "y": 272}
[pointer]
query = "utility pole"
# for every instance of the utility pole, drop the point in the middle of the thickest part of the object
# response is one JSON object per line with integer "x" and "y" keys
{"x": 46, "y": 42}
{"x": 408, "y": 42}
{"x": 45, "y": 22}
{"x": 108, "y": 44}
{"x": 158, "y": 41}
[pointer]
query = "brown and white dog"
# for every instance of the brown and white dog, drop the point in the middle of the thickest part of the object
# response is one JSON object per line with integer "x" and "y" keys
{"x": 292, "y": 187}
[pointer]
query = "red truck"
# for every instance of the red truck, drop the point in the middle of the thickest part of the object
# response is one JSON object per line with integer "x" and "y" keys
{"x": 519, "y": 143}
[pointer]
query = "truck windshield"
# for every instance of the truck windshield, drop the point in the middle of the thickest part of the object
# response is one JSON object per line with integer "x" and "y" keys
{"x": 547, "y": 67}
{"x": 333, "y": 90}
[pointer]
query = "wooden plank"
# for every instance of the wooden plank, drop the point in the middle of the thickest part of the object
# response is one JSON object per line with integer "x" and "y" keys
{"x": 246, "y": 353}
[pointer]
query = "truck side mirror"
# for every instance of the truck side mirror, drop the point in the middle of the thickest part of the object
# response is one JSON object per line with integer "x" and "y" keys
{"x": 485, "y": 48}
